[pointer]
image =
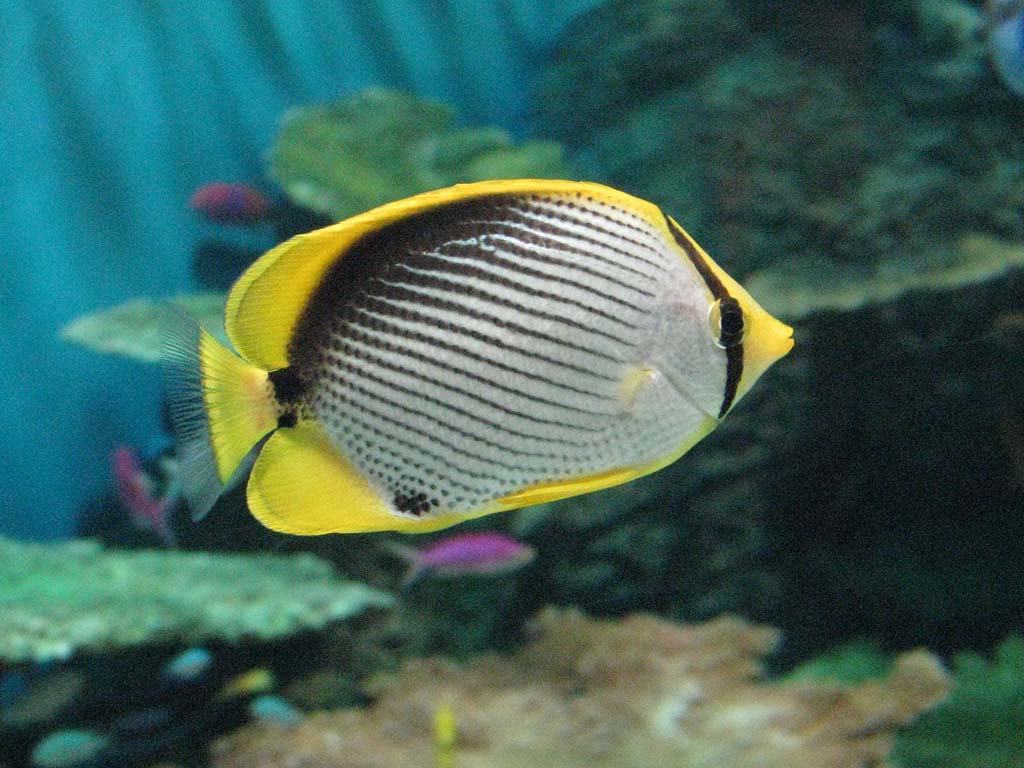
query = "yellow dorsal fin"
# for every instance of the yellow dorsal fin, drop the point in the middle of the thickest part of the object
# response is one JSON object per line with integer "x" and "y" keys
{"x": 301, "y": 485}
{"x": 266, "y": 303}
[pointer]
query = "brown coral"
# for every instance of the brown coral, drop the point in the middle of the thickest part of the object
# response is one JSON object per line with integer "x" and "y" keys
{"x": 637, "y": 692}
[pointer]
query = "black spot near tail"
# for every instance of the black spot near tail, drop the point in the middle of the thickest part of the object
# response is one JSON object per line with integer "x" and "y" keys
{"x": 415, "y": 504}
{"x": 289, "y": 391}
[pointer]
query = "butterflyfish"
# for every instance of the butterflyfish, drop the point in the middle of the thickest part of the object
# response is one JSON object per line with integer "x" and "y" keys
{"x": 465, "y": 351}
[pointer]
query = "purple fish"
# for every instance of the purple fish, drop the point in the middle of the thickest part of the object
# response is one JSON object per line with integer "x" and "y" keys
{"x": 135, "y": 490}
{"x": 466, "y": 553}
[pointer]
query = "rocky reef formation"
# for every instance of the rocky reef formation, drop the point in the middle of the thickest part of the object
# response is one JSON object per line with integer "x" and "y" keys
{"x": 860, "y": 132}
{"x": 63, "y": 599}
{"x": 637, "y": 692}
{"x": 980, "y": 723}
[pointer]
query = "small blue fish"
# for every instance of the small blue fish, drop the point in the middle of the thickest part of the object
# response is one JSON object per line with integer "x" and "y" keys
{"x": 68, "y": 748}
{"x": 189, "y": 666}
{"x": 273, "y": 709}
{"x": 1005, "y": 25}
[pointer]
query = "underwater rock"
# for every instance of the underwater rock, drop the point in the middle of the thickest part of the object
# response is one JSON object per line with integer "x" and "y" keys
{"x": 647, "y": 49}
{"x": 978, "y": 725}
{"x": 377, "y": 146}
{"x": 132, "y": 329}
{"x": 636, "y": 692}
{"x": 61, "y": 599}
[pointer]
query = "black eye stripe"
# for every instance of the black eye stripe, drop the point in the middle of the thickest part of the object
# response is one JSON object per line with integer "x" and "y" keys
{"x": 733, "y": 349}
{"x": 732, "y": 322}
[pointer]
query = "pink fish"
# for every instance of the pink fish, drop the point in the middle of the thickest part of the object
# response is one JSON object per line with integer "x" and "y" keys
{"x": 136, "y": 493}
{"x": 463, "y": 554}
{"x": 230, "y": 203}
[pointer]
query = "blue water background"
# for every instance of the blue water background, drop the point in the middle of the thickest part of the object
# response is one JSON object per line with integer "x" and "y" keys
{"x": 113, "y": 113}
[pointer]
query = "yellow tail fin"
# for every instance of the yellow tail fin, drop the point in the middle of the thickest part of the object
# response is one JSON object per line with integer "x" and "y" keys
{"x": 220, "y": 405}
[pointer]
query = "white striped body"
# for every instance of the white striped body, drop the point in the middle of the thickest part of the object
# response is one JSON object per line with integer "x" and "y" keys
{"x": 505, "y": 342}
{"x": 461, "y": 352}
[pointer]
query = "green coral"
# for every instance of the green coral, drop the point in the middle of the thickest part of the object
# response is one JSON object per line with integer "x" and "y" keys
{"x": 851, "y": 662}
{"x": 981, "y": 723}
{"x": 132, "y": 329}
{"x": 60, "y": 599}
{"x": 377, "y": 146}
{"x": 803, "y": 287}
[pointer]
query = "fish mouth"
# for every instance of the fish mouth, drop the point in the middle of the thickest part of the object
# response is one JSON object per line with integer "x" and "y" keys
{"x": 786, "y": 347}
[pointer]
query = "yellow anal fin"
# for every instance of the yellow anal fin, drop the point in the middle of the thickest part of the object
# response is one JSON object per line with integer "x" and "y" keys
{"x": 303, "y": 486}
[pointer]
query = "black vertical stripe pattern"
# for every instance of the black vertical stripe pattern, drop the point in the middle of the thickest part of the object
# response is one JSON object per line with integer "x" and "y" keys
{"x": 734, "y": 353}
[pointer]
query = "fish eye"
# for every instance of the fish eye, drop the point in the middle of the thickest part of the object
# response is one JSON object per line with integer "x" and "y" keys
{"x": 728, "y": 325}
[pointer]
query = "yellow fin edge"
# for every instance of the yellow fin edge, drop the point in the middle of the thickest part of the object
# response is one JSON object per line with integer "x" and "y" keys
{"x": 545, "y": 492}
{"x": 300, "y": 485}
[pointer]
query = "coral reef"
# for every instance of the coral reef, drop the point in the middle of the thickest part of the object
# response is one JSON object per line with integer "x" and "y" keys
{"x": 798, "y": 289}
{"x": 64, "y": 598}
{"x": 977, "y": 726}
{"x": 770, "y": 137}
{"x": 378, "y": 145}
{"x": 637, "y": 692}
{"x": 980, "y": 724}
{"x": 132, "y": 329}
